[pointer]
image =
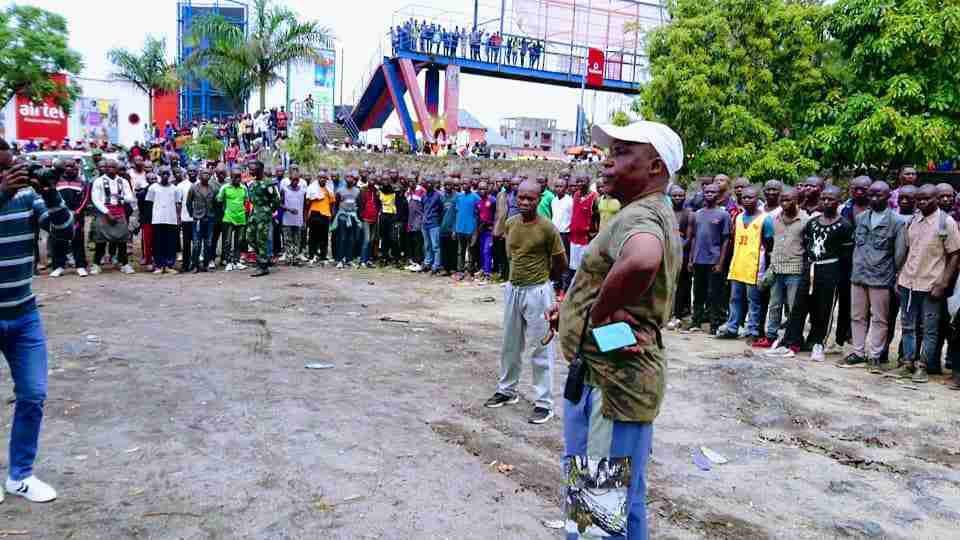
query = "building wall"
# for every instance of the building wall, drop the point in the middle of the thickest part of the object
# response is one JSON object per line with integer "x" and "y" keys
{"x": 129, "y": 99}
{"x": 536, "y": 133}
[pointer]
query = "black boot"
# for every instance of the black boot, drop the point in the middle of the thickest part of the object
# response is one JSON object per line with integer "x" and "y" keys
{"x": 262, "y": 270}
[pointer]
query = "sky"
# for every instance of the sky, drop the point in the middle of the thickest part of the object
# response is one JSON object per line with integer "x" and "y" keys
{"x": 96, "y": 26}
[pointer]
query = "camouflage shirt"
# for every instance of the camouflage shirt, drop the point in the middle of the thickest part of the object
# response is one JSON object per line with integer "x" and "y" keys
{"x": 633, "y": 384}
{"x": 265, "y": 199}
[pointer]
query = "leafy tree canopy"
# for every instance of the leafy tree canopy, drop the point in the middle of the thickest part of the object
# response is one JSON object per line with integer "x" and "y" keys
{"x": 33, "y": 45}
{"x": 735, "y": 79}
{"x": 901, "y": 102}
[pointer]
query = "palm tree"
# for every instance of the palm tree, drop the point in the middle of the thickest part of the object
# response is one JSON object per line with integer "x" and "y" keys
{"x": 275, "y": 39}
{"x": 148, "y": 70}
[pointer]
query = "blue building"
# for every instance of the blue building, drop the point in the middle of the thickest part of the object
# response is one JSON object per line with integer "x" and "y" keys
{"x": 198, "y": 97}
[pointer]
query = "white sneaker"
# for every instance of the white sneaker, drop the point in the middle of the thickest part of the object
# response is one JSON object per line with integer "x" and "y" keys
{"x": 31, "y": 489}
{"x": 229, "y": 268}
{"x": 780, "y": 352}
{"x": 212, "y": 266}
{"x": 82, "y": 272}
{"x": 239, "y": 266}
{"x": 57, "y": 272}
{"x": 283, "y": 258}
{"x": 416, "y": 268}
{"x": 95, "y": 269}
{"x": 817, "y": 354}
{"x": 339, "y": 266}
{"x": 127, "y": 269}
{"x": 303, "y": 258}
{"x": 158, "y": 270}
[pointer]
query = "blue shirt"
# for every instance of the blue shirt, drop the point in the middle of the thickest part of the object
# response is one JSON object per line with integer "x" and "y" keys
{"x": 432, "y": 209}
{"x": 712, "y": 226}
{"x": 467, "y": 213}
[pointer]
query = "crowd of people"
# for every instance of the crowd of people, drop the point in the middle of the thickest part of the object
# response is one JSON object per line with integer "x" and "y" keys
{"x": 205, "y": 216}
{"x": 783, "y": 265}
{"x": 477, "y": 44}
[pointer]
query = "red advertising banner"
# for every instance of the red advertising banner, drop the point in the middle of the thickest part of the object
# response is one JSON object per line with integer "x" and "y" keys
{"x": 595, "y": 67}
{"x": 44, "y": 121}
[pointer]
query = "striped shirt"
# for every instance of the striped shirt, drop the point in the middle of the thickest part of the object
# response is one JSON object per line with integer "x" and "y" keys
{"x": 19, "y": 217}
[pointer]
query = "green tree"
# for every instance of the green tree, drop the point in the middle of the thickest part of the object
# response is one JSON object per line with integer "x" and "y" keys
{"x": 735, "y": 78}
{"x": 303, "y": 145}
{"x": 275, "y": 38}
{"x": 232, "y": 76}
{"x": 620, "y": 118}
{"x": 206, "y": 145}
{"x": 148, "y": 69}
{"x": 901, "y": 101}
{"x": 33, "y": 45}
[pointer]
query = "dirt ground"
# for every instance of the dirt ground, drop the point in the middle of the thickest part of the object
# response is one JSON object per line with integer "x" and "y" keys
{"x": 180, "y": 408}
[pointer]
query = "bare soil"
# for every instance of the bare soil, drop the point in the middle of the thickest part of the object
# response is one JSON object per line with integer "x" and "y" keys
{"x": 190, "y": 415}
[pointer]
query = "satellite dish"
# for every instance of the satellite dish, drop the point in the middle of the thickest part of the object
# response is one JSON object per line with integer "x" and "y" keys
{"x": 134, "y": 118}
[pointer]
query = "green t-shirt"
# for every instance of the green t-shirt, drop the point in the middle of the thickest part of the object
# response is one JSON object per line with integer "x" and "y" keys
{"x": 233, "y": 198}
{"x": 544, "y": 208}
{"x": 633, "y": 384}
{"x": 530, "y": 248}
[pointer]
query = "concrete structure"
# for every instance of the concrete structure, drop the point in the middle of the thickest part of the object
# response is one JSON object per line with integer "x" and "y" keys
{"x": 536, "y": 134}
{"x": 121, "y": 109}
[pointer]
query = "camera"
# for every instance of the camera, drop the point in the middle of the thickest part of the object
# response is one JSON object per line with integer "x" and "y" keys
{"x": 45, "y": 176}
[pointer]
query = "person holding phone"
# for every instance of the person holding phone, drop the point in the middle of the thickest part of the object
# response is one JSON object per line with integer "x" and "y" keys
{"x": 628, "y": 276}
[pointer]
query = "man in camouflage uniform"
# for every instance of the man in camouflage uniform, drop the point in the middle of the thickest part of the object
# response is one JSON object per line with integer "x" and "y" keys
{"x": 265, "y": 200}
{"x": 628, "y": 275}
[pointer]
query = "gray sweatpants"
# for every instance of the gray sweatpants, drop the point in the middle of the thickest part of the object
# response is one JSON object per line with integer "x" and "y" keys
{"x": 524, "y": 326}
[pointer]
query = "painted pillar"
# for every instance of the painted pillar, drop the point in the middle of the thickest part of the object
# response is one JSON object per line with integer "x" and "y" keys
{"x": 397, "y": 88}
{"x": 451, "y": 100}
{"x": 432, "y": 91}
{"x": 409, "y": 74}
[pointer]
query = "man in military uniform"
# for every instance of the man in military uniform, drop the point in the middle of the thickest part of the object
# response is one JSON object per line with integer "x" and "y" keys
{"x": 266, "y": 200}
{"x": 628, "y": 275}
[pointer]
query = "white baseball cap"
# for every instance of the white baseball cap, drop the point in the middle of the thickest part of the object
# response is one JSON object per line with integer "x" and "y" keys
{"x": 663, "y": 139}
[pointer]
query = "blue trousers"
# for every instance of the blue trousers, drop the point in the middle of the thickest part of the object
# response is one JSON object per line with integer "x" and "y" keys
{"x": 587, "y": 433}
{"x": 742, "y": 297}
{"x": 24, "y": 345}
{"x": 431, "y": 247}
{"x": 202, "y": 241}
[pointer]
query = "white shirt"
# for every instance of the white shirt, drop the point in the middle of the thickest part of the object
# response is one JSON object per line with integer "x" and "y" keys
{"x": 165, "y": 199}
{"x": 139, "y": 179}
{"x": 562, "y": 211}
{"x": 184, "y": 189}
{"x": 119, "y": 192}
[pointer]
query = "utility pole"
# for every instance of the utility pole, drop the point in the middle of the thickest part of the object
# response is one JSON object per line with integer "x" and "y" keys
{"x": 288, "y": 88}
{"x": 503, "y": 7}
{"x": 476, "y": 9}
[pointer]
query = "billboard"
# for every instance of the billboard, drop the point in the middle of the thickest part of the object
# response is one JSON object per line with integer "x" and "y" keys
{"x": 325, "y": 83}
{"x": 44, "y": 120}
{"x": 99, "y": 119}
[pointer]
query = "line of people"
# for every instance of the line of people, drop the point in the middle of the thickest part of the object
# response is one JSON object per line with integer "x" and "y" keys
{"x": 781, "y": 265}
{"x": 450, "y": 225}
{"x": 496, "y": 48}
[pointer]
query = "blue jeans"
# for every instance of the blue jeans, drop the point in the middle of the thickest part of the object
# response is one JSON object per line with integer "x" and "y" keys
{"x": 743, "y": 296}
{"x": 431, "y": 247}
{"x": 24, "y": 345}
{"x": 202, "y": 241}
{"x": 347, "y": 234}
{"x": 586, "y": 432}
{"x": 782, "y": 294}
{"x": 914, "y": 306}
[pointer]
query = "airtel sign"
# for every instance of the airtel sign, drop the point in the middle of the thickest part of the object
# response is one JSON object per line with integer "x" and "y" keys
{"x": 44, "y": 121}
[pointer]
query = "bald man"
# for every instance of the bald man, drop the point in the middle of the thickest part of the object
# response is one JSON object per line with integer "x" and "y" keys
{"x": 536, "y": 256}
